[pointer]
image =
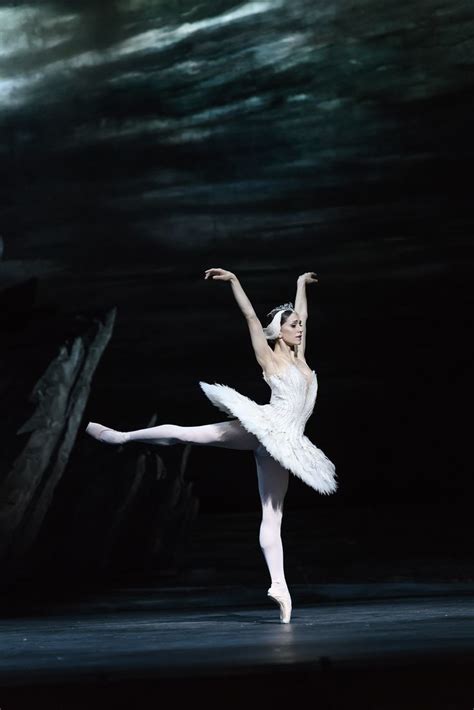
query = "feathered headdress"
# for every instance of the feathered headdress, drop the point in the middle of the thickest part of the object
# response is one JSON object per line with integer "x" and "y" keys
{"x": 273, "y": 329}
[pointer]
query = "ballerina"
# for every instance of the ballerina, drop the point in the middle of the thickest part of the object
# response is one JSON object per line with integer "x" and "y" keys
{"x": 274, "y": 432}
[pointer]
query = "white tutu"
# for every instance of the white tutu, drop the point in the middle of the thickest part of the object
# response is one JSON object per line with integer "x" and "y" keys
{"x": 280, "y": 424}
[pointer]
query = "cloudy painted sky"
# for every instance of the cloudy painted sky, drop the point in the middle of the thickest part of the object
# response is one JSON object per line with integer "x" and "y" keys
{"x": 187, "y": 123}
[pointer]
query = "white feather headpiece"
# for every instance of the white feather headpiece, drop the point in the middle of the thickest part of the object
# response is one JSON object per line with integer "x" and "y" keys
{"x": 273, "y": 329}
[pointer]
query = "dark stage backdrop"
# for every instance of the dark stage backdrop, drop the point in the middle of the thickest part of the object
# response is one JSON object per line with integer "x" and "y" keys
{"x": 144, "y": 141}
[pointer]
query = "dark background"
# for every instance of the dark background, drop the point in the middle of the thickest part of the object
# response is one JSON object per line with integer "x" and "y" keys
{"x": 144, "y": 142}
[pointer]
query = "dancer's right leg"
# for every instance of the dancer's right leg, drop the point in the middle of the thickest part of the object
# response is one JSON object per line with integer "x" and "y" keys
{"x": 228, "y": 434}
{"x": 272, "y": 486}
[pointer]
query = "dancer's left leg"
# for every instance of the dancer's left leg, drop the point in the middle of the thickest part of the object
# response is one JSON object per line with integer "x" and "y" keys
{"x": 228, "y": 435}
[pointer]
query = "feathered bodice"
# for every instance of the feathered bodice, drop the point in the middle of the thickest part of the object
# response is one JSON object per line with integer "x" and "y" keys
{"x": 293, "y": 397}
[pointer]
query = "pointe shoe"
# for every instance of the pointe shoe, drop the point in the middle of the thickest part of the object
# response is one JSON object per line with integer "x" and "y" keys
{"x": 282, "y": 597}
{"x": 104, "y": 434}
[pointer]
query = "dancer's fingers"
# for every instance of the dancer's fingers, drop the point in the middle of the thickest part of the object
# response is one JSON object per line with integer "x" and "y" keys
{"x": 209, "y": 272}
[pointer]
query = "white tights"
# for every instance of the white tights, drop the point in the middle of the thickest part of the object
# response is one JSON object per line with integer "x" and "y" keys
{"x": 272, "y": 477}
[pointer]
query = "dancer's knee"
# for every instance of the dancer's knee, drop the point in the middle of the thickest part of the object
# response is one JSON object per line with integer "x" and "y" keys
{"x": 270, "y": 532}
{"x": 205, "y": 435}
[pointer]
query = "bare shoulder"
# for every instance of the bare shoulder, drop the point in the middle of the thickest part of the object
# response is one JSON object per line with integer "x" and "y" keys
{"x": 300, "y": 362}
{"x": 273, "y": 365}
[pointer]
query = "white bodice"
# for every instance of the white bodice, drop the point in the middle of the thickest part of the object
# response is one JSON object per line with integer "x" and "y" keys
{"x": 293, "y": 397}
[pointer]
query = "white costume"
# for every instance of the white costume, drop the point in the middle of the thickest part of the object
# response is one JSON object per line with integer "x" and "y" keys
{"x": 279, "y": 425}
{"x": 274, "y": 432}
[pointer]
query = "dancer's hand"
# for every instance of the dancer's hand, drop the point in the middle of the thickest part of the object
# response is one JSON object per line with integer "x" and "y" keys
{"x": 220, "y": 274}
{"x": 308, "y": 277}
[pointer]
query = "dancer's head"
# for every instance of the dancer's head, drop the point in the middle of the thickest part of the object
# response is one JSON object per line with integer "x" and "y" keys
{"x": 284, "y": 326}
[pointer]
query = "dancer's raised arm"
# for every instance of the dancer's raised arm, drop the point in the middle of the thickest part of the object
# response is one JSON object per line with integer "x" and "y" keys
{"x": 301, "y": 304}
{"x": 263, "y": 351}
{"x": 239, "y": 293}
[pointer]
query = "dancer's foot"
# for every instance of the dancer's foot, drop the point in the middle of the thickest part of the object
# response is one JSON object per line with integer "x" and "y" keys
{"x": 106, "y": 435}
{"x": 281, "y": 596}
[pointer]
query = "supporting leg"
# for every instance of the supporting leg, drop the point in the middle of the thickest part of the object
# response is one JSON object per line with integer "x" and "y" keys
{"x": 272, "y": 486}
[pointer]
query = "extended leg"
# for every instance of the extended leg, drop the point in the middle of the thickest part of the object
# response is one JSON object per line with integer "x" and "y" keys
{"x": 228, "y": 435}
{"x": 272, "y": 486}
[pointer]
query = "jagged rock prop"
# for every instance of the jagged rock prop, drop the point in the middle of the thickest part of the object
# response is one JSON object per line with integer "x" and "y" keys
{"x": 138, "y": 518}
{"x": 60, "y": 396}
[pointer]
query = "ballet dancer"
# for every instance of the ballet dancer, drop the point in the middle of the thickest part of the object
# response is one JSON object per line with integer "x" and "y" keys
{"x": 274, "y": 432}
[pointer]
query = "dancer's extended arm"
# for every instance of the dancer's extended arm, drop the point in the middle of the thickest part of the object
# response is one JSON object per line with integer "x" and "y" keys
{"x": 301, "y": 304}
{"x": 263, "y": 351}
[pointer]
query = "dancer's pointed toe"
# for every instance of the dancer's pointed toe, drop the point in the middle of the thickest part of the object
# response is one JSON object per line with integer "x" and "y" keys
{"x": 95, "y": 429}
{"x": 104, "y": 434}
{"x": 283, "y": 599}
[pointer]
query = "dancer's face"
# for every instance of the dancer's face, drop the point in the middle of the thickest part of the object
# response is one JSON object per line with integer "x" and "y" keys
{"x": 292, "y": 331}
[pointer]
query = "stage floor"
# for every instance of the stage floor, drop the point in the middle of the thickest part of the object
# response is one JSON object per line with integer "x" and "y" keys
{"x": 181, "y": 642}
